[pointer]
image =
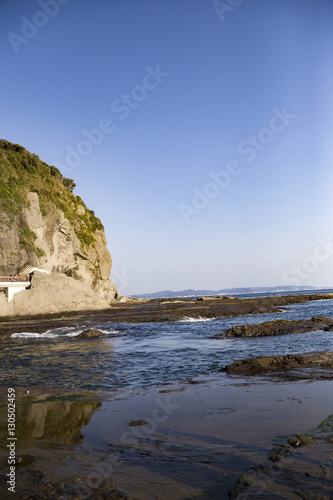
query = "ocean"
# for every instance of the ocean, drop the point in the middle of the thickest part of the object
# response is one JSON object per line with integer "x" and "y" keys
{"x": 146, "y": 354}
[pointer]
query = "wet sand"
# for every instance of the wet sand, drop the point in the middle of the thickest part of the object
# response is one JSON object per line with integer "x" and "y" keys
{"x": 191, "y": 439}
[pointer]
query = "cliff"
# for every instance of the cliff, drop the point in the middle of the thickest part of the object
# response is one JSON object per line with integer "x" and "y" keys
{"x": 43, "y": 223}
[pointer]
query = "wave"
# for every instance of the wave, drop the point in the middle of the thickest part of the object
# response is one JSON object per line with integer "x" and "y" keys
{"x": 188, "y": 319}
{"x": 56, "y": 333}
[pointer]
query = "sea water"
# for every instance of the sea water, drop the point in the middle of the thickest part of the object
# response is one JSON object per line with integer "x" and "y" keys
{"x": 143, "y": 354}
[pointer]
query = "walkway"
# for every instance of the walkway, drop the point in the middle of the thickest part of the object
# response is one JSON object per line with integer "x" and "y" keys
{"x": 13, "y": 284}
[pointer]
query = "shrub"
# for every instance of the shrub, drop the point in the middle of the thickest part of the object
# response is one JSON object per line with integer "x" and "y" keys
{"x": 27, "y": 237}
{"x": 22, "y": 172}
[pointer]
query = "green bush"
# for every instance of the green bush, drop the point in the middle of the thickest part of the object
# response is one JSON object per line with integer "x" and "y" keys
{"x": 85, "y": 236}
{"x": 27, "y": 240}
{"x": 69, "y": 183}
{"x": 22, "y": 172}
{"x": 27, "y": 237}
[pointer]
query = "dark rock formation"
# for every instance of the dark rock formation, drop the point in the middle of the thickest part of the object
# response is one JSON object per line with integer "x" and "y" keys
{"x": 266, "y": 364}
{"x": 88, "y": 334}
{"x": 279, "y": 327}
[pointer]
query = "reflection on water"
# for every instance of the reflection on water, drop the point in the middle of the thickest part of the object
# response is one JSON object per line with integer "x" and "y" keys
{"x": 49, "y": 422}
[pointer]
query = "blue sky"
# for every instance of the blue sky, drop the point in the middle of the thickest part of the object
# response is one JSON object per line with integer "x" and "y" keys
{"x": 199, "y": 132}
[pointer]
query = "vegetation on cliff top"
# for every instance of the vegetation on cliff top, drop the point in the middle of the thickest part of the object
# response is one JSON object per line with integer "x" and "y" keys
{"x": 22, "y": 172}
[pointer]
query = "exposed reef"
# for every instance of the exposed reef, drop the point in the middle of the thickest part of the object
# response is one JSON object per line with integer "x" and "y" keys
{"x": 279, "y": 327}
{"x": 144, "y": 310}
{"x": 269, "y": 364}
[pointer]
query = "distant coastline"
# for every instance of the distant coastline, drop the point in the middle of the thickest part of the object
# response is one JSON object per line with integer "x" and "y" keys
{"x": 242, "y": 292}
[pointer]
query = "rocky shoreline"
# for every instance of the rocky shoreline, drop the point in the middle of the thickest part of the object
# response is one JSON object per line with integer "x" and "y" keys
{"x": 214, "y": 435}
{"x": 154, "y": 310}
{"x": 300, "y": 468}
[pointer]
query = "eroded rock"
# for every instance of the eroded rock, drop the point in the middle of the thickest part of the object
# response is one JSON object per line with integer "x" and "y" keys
{"x": 279, "y": 327}
{"x": 88, "y": 334}
{"x": 266, "y": 364}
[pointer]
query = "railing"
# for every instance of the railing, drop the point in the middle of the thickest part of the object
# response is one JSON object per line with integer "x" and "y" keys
{"x": 14, "y": 279}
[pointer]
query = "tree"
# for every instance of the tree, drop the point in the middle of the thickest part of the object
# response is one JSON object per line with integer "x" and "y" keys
{"x": 69, "y": 183}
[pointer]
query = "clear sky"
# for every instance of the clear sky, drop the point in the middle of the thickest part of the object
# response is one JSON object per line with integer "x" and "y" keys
{"x": 200, "y": 132}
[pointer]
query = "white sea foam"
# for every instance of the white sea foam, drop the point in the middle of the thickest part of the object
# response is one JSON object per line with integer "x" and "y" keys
{"x": 188, "y": 319}
{"x": 27, "y": 335}
{"x": 56, "y": 333}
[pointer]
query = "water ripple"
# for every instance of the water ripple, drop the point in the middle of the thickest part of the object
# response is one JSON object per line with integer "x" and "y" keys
{"x": 147, "y": 353}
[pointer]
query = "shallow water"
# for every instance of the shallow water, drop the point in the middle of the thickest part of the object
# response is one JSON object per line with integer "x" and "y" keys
{"x": 143, "y": 354}
{"x": 194, "y": 442}
{"x": 198, "y": 434}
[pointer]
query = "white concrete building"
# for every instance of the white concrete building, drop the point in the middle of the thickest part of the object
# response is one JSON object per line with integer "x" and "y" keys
{"x": 12, "y": 284}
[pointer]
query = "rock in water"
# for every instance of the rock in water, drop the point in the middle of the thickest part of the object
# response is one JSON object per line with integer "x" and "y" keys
{"x": 88, "y": 334}
{"x": 43, "y": 224}
{"x": 266, "y": 364}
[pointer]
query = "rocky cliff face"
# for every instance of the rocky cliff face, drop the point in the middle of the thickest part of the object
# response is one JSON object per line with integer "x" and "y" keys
{"x": 42, "y": 223}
